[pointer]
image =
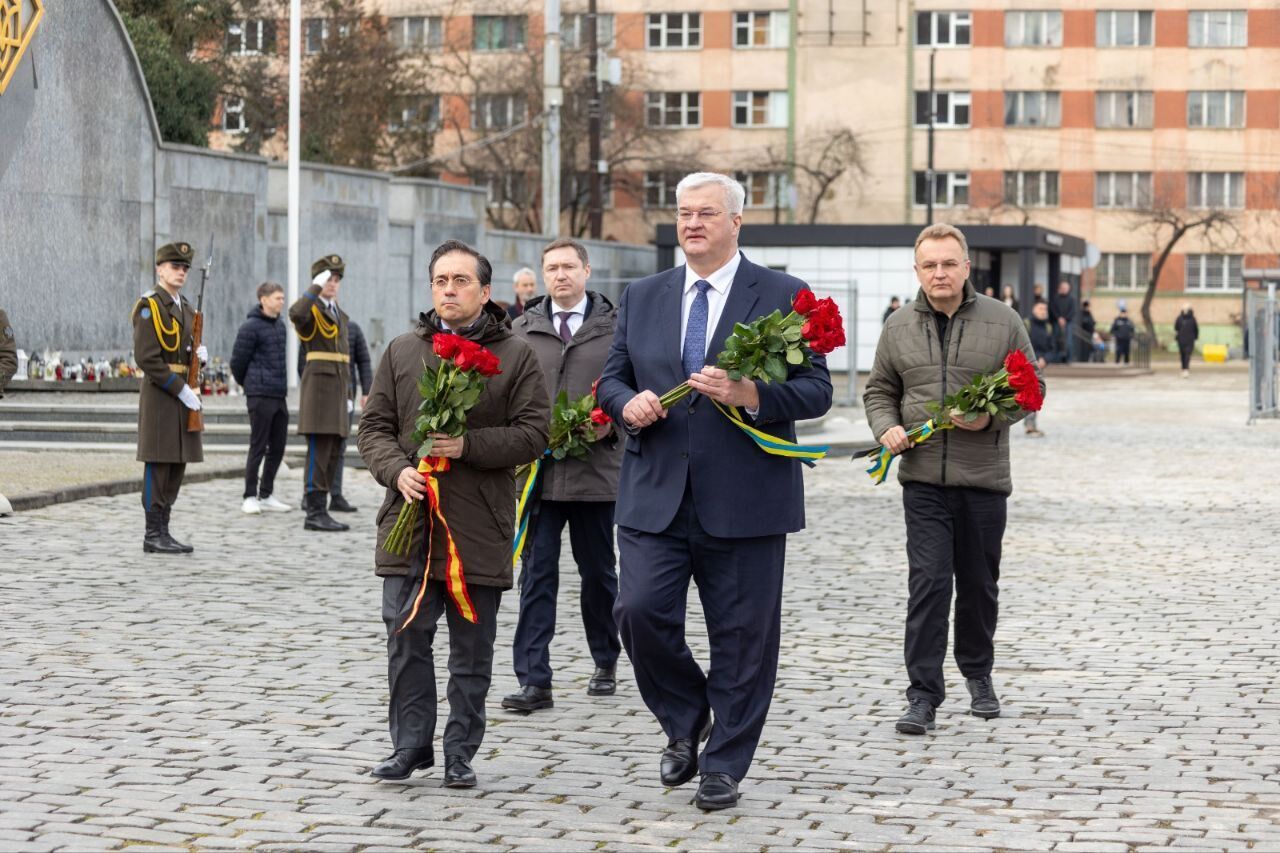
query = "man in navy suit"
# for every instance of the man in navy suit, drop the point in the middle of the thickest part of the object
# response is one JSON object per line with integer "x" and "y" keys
{"x": 697, "y": 498}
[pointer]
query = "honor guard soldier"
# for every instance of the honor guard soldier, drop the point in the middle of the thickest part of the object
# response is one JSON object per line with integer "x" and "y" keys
{"x": 8, "y": 352}
{"x": 324, "y": 409}
{"x": 162, "y": 324}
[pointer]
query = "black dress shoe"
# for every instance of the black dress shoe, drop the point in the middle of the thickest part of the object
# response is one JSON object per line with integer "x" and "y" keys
{"x": 403, "y": 762}
{"x": 680, "y": 759}
{"x": 918, "y": 719}
{"x": 984, "y": 702}
{"x": 716, "y": 791}
{"x": 337, "y": 503}
{"x": 458, "y": 773}
{"x": 603, "y": 682}
{"x": 529, "y": 698}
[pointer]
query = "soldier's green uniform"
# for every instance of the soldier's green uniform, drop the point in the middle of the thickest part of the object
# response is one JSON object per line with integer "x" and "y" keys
{"x": 326, "y": 381}
{"x": 162, "y": 347}
{"x": 8, "y": 352}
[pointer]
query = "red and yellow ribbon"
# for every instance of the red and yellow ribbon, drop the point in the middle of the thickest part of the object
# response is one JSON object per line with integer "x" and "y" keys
{"x": 454, "y": 581}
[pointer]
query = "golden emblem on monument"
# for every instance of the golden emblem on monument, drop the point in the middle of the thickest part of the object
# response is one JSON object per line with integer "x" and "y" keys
{"x": 15, "y": 35}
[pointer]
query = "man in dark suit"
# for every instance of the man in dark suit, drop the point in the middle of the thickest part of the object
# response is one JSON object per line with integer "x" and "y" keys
{"x": 698, "y": 499}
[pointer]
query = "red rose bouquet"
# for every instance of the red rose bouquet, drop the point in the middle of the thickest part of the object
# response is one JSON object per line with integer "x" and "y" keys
{"x": 766, "y": 347}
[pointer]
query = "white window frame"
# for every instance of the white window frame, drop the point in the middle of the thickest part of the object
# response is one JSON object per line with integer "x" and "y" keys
{"x": 1138, "y": 273}
{"x": 773, "y": 188}
{"x": 1121, "y": 190}
{"x": 689, "y": 106}
{"x": 512, "y": 103}
{"x": 573, "y": 31}
{"x": 1048, "y": 106}
{"x": 507, "y": 22}
{"x": 946, "y": 112}
{"x": 947, "y": 189}
{"x": 1016, "y": 28}
{"x": 958, "y": 25}
{"x": 244, "y": 28}
{"x": 1217, "y": 28}
{"x": 776, "y": 27}
{"x": 1107, "y": 26}
{"x": 432, "y": 32}
{"x": 1229, "y": 103}
{"x": 665, "y": 24}
{"x": 1200, "y": 277}
{"x": 1112, "y": 110}
{"x": 664, "y": 183}
{"x": 748, "y": 111}
{"x": 409, "y": 108}
{"x": 233, "y": 107}
{"x": 1041, "y": 181}
{"x": 1201, "y": 189}
{"x": 309, "y": 46}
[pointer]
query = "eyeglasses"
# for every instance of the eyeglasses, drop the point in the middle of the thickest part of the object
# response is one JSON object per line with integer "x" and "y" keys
{"x": 460, "y": 282}
{"x": 947, "y": 266}
{"x": 706, "y": 215}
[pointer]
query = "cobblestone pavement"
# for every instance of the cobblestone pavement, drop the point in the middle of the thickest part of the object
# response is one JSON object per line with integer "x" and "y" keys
{"x": 235, "y": 698}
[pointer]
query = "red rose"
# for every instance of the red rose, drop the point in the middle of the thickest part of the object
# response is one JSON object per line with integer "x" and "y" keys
{"x": 1029, "y": 399}
{"x": 599, "y": 417}
{"x": 1016, "y": 361}
{"x": 804, "y": 302}
{"x": 594, "y": 386}
{"x": 487, "y": 363}
{"x": 445, "y": 345}
{"x": 807, "y": 330}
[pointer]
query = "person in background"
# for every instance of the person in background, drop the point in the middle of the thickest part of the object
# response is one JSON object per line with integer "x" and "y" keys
{"x": 1088, "y": 325}
{"x": 1122, "y": 331}
{"x": 894, "y": 305}
{"x": 1007, "y": 297}
{"x": 362, "y": 370}
{"x": 1063, "y": 312}
{"x": 1037, "y": 293}
{"x": 1040, "y": 331}
{"x": 8, "y": 352}
{"x": 1187, "y": 331}
{"x": 258, "y": 364}
{"x": 525, "y": 284}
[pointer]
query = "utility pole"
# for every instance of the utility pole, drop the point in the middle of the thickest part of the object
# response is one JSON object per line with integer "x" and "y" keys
{"x": 552, "y": 98}
{"x": 295, "y": 175}
{"x": 929, "y": 176}
{"x": 597, "y": 168}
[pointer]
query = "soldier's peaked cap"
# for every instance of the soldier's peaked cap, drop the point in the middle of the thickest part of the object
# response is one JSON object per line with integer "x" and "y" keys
{"x": 332, "y": 263}
{"x": 178, "y": 253}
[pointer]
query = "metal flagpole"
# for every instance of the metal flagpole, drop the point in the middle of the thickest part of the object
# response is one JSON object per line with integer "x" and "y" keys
{"x": 295, "y": 175}
{"x": 552, "y": 98}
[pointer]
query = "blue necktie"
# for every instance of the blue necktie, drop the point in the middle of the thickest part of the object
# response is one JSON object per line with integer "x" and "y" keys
{"x": 695, "y": 332}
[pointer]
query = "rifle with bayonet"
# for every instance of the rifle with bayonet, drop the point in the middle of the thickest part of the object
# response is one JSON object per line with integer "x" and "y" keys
{"x": 195, "y": 417}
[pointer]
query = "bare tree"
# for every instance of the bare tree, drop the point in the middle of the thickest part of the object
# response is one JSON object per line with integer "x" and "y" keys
{"x": 824, "y": 158}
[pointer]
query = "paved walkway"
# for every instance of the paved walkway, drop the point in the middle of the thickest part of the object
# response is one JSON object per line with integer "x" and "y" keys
{"x": 235, "y": 698}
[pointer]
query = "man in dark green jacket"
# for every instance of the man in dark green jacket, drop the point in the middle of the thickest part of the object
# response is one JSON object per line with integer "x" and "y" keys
{"x": 955, "y": 485}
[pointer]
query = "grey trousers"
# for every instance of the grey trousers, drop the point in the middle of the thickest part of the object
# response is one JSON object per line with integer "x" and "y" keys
{"x": 411, "y": 668}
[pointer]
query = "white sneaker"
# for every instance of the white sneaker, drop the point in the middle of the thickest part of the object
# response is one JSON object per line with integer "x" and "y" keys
{"x": 250, "y": 507}
{"x": 271, "y": 504}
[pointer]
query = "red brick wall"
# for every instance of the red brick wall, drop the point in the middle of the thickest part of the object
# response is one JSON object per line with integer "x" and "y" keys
{"x": 988, "y": 28}
{"x": 1075, "y": 189}
{"x": 1171, "y": 108}
{"x": 1171, "y": 28}
{"x": 1077, "y": 28}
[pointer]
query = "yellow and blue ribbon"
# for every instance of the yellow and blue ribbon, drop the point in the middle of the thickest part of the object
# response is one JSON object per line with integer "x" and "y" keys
{"x": 773, "y": 445}
{"x": 879, "y": 470}
{"x": 522, "y": 508}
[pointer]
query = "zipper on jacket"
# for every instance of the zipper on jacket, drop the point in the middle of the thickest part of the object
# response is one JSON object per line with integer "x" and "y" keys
{"x": 945, "y": 433}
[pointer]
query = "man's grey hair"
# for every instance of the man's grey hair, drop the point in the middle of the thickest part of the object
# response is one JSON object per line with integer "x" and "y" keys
{"x": 523, "y": 271}
{"x": 734, "y": 195}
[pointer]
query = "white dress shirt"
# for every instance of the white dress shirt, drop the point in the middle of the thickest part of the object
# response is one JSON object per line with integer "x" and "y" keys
{"x": 577, "y": 314}
{"x": 717, "y": 294}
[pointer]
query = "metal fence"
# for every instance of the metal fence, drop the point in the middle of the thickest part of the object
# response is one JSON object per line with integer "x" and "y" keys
{"x": 1263, "y": 341}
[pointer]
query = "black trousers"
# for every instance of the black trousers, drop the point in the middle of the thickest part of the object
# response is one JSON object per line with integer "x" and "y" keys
{"x": 740, "y": 586}
{"x": 336, "y": 486}
{"x": 1122, "y": 349}
{"x": 160, "y": 484}
{"x": 1184, "y": 353}
{"x": 591, "y": 538}
{"x": 322, "y": 461}
{"x": 268, "y": 433}
{"x": 954, "y": 536}
{"x": 411, "y": 669}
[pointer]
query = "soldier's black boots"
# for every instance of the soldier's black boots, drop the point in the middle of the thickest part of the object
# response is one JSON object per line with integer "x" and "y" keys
{"x": 156, "y": 541}
{"x": 337, "y": 503}
{"x": 186, "y": 549}
{"x": 318, "y": 517}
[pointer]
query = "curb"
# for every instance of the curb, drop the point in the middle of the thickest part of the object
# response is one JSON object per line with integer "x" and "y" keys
{"x": 110, "y": 488}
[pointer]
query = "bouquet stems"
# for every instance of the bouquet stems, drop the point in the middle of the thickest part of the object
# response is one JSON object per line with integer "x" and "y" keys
{"x": 397, "y": 541}
{"x": 675, "y": 395}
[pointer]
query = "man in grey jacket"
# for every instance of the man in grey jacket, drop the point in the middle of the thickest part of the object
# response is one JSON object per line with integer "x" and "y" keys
{"x": 955, "y": 485}
{"x": 571, "y": 331}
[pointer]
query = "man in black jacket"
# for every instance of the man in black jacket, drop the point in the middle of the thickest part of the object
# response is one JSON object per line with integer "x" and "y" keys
{"x": 258, "y": 364}
{"x": 359, "y": 364}
{"x": 1062, "y": 311}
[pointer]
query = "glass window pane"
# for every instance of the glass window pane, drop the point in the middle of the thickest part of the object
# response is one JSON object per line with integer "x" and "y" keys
{"x": 1144, "y": 29}
{"x": 1102, "y": 29}
{"x": 924, "y": 34}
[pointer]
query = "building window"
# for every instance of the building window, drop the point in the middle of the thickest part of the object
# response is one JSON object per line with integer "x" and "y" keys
{"x": 416, "y": 33}
{"x": 660, "y": 189}
{"x": 1215, "y": 272}
{"x": 1123, "y": 109}
{"x": 950, "y": 109}
{"x": 497, "y": 112}
{"x": 1215, "y": 189}
{"x": 1123, "y": 271}
{"x": 675, "y": 31}
{"x": 573, "y": 31}
{"x": 252, "y": 37}
{"x": 1124, "y": 28}
{"x": 413, "y": 111}
{"x": 950, "y": 189}
{"x": 1215, "y": 109}
{"x": 1032, "y": 29}
{"x": 943, "y": 29}
{"x": 1217, "y": 28}
{"x": 1031, "y": 189}
{"x": 233, "y": 115}
{"x": 498, "y": 32}
{"x": 317, "y": 34}
{"x": 673, "y": 109}
{"x": 580, "y": 189}
{"x": 1032, "y": 109}
{"x": 761, "y": 29}
{"x": 759, "y": 109}
{"x": 1122, "y": 189}
{"x": 765, "y": 189}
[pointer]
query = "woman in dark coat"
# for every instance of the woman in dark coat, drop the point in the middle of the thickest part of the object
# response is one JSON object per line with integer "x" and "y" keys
{"x": 1187, "y": 331}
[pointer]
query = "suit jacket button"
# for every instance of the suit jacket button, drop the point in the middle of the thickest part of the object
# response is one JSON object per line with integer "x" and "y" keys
{"x": 684, "y": 455}
{"x": 692, "y": 410}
